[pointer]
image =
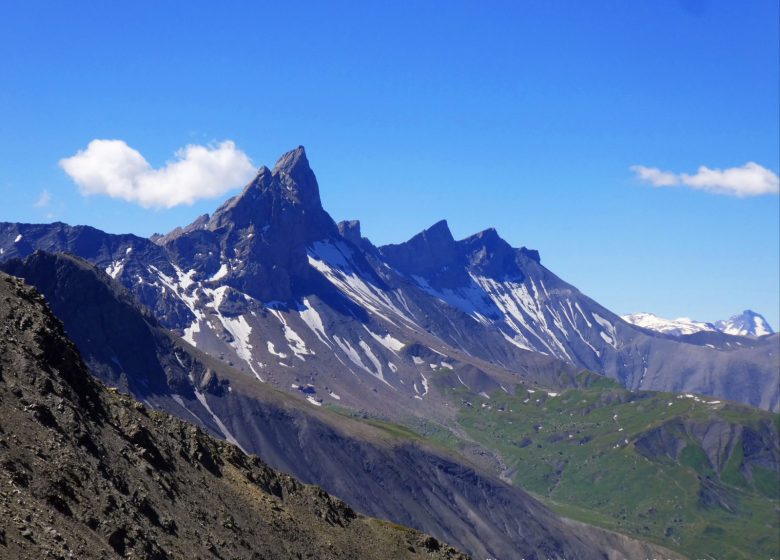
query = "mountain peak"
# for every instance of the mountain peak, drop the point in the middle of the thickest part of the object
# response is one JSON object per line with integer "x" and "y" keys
{"x": 747, "y": 323}
{"x": 291, "y": 184}
{"x": 270, "y": 224}
{"x": 292, "y": 161}
{"x": 487, "y": 233}
{"x": 261, "y": 172}
{"x": 490, "y": 255}
{"x": 487, "y": 237}
{"x": 675, "y": 327}
{"x": 296, "y": 179}
{"x": 438, "y": 232}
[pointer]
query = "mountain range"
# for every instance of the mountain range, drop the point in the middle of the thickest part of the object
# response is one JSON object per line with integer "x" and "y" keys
{"x": 403, "y": 479}
{"x": 272, "y": 284}
{"x": 748, "y": 323}
{"x": 361, "y": 368}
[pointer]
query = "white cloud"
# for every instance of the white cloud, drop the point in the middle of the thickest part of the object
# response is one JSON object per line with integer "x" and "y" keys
{"x": 751, "y": 179}
{"x": 43, "y": 199}
{"x": 113, "y": 168}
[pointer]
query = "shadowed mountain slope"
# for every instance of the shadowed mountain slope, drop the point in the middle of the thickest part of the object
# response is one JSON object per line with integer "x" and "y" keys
{"x": 88, "y": 473}
{"x": 380, "y": 473}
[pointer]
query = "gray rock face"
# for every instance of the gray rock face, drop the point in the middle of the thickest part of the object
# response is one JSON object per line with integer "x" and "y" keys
{"x": 433, "y": 255}
{"x": 350, "y": 230}
{"x": 272, "y": 284}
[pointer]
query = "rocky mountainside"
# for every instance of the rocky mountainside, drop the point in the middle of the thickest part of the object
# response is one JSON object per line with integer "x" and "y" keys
{"x": 379, "y": 469}
{"x": 88, "y": 473}
{"x": 120, "y": 341}
{"x": 270, "y": 283}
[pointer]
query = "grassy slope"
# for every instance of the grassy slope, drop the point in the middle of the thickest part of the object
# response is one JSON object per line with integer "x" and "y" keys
{"x": 576, "y": 452}
{"x": 597, "y": 483}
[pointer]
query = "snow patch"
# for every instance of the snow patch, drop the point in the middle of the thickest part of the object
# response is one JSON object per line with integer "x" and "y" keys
{"x": 313, "y": 320}
{"x": 273, "y": 351}
{"x": 240, "y": 329}
{"x": 470, "y": 299}
{"x": 610, "y": 336}
{"x": 524, "y": 312}
{"x": 333, "y": 260}
{"x": 387, "y": 340}
{"x": 221, "y": 273}
{"x": 115, "y": 269}
{"x": 424, "y": 384}
{"x": 294, "y": 341}
{"x": 191, "y": 331}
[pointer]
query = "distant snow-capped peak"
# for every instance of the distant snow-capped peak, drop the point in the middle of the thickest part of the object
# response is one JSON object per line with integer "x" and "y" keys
{"x": 747, "y": 323}
{"x": 674, "y": 327}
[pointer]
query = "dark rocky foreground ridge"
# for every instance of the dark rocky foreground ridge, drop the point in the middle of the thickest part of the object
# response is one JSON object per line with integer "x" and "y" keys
{"x": 392, "y": 478}
{"x": 88, "y": 473}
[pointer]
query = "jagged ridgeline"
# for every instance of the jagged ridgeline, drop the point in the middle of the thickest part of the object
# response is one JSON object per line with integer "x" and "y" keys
{"x": 407, "y": 379}
{"x": 90, "y": 473}
{"x": 271, "y": 283}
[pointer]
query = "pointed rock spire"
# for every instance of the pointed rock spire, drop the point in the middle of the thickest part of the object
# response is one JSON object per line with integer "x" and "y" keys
{"x": 297, "y": 178}
{"x": 270, "y": 225}
{"x": 438, "y": 233}
{"x": 290, "y": 187}
{"x": 291, "y": 161}
{"x": 350, "y": 230}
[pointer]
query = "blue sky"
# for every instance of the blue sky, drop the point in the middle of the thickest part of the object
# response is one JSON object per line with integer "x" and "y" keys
{"x": 524, "y": 116}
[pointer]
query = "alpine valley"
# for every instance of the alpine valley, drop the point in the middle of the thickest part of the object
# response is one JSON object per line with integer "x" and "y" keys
{"x": 457, "y": 387}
